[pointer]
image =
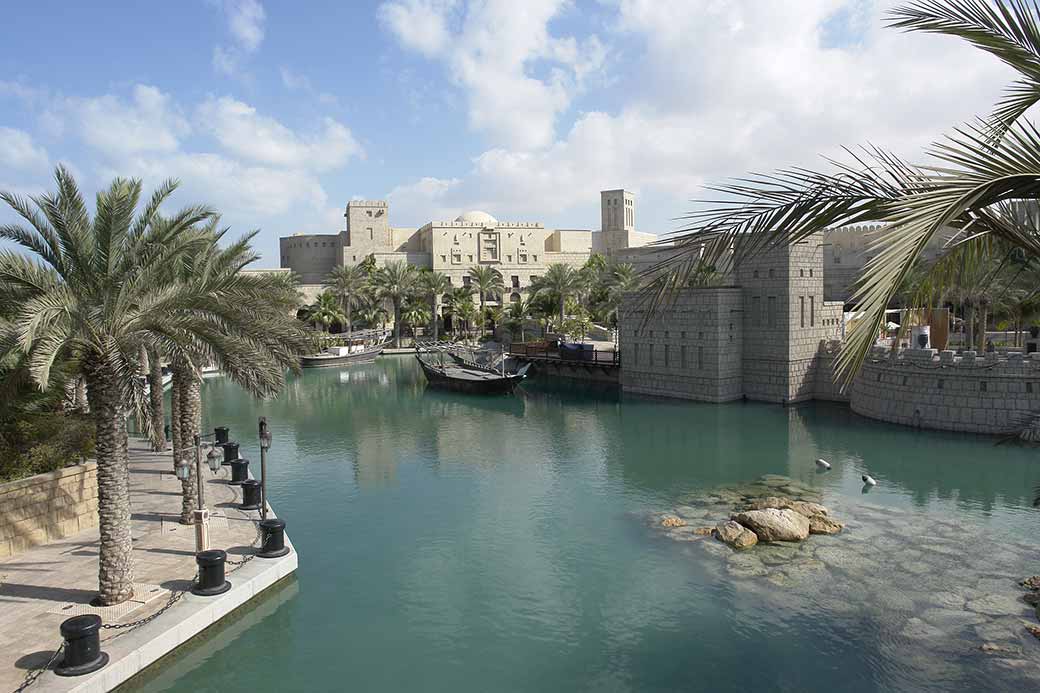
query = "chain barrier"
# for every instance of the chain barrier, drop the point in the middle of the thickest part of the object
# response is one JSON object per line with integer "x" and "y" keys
{"x": 33, "y": 674}
{"x": 175, "y": 596}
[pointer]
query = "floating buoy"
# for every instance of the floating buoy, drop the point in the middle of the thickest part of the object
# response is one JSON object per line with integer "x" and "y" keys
{"x": 823, "y": 464}
{"x": 869, "y": 480}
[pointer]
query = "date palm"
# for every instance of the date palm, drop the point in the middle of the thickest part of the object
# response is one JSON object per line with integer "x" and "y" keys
{"x": 515, "y": 316}
{"x": 396, "y": 282}
{"x": 350, "y": 285}
{"x": 981, "y": 169}
{"x": 93, "y": 287}
{"x": 457, "y": 299}
{"x": 434, "y": 285}
{"x": 560, "y": 282}
{"x": 325, "y": 311}
{"x": 157, "y": 434}
{"x": 101, "y": 287}
{"x": 415, "y": 312}
{"x": 487, "y": 281}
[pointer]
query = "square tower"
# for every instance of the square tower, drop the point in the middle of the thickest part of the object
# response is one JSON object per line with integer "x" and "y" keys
{"x": 368, "y": 225}
{"x": 617, "y": 218}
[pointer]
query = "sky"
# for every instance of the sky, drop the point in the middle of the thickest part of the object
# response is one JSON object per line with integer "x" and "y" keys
{"x": 279, "y": 113}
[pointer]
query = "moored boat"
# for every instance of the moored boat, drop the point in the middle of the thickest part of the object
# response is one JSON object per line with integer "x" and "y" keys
{"x": 361, "y": 347}
{"x": 461, "y": 375}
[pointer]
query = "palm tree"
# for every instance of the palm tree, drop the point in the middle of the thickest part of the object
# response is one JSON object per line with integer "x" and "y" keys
{"x": 467, "y": 313}
{"x": 559, "y": 281}
{"x": 101, "y": 288}
{"x": 486, "y": 280}
{"x": 457, "y": 299}
{"x": 349, "y": 284}
{"x": 415, "y": 312}
{"x": 434, "y": 285}
{"x": 395, "y": 282}
{"x": 325, "y": 311}
{"x": 517, "y": 312}
{"x": 623, "y": 279}
{"x": 981, "y": 168}
{"x": 155, "y": 401}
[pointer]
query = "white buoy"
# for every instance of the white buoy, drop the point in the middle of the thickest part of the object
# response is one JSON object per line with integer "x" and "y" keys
{"x": 823, "y": 464}
{"x": 869, "y": 480}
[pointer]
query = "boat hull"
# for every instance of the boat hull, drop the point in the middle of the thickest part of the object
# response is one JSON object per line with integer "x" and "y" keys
{"x": 493, "y": 386}
{"x": 319, "y": 361}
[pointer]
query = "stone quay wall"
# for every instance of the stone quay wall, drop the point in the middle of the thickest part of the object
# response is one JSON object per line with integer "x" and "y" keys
{"x": 924, "y": 388}
{"x": 46, "y": 507}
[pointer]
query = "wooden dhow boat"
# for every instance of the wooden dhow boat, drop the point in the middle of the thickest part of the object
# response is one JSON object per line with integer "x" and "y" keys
{"x": 445, "y": 368}
{"x": 360, "y": 347}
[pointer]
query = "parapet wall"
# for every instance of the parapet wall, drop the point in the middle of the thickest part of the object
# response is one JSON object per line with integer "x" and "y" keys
{"x": 46, "y": 507}
{"x": 928, "y": 389}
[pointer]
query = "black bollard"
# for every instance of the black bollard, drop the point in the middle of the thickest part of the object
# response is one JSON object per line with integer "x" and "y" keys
{"x": 273, "y": 545}
{"x": 250, "y": 495}
{"x": 230, "y": 452}
{"x": 239, "y": 472}
{"x": 211, "y": 580}
{"x": 82, "y": 646}
{"x": 220, "y": 434}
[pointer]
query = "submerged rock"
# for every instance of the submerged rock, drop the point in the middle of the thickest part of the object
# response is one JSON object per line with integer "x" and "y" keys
{"x": 703, "y": 531}
{"x": 735, "y": 534}
{"x": 1031, "y": 583}
{"x": 774, "y": 524}
{"x": 672, "y": 521}
{"x": 818, "y": 524}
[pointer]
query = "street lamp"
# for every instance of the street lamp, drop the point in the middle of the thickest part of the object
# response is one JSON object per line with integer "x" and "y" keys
{"x": 265, "y": 445}
{"x": 214, "y": 459}
{"x": 182, "y": 469}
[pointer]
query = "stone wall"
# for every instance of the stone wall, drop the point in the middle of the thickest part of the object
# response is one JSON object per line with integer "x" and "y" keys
{"x": 46, "y": 507}
{"x": 690, "y": 350}
{"x": 929, "y": 389}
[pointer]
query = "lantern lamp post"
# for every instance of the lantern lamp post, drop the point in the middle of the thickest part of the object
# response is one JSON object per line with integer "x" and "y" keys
{"x": 265, "y": 445}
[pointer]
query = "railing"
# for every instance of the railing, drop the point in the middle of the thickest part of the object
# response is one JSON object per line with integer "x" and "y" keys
{"x": 584, "y": 355}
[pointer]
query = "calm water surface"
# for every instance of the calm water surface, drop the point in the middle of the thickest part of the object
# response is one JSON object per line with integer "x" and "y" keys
{"x": 450, "y": 543}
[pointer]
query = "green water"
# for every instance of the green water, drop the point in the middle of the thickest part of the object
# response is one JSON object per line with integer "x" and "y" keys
{"x": 450, "y": 543}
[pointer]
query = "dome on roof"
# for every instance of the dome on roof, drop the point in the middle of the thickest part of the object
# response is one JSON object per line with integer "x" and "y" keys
{"x": 476, "y": 217}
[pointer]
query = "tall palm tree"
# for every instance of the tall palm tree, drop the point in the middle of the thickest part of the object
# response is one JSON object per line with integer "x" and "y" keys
{"x": 395, "y": 282}
{"x": 457, "y": 299}
{"x": 349, "y": 284}
{"x": 94, "y": 288}
{"x": 434, "y": 285}
{"x": 486, "y": 280}
{"x": 99, "y": 288}
{"x": 559, "y": 281}
{"x": 982, "y": 167}
{"x": 467, "y": 313}
{"x": 155, "y": 402}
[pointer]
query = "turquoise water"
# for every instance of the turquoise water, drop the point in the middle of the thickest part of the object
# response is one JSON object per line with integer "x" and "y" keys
{"x": 450, "y": 543}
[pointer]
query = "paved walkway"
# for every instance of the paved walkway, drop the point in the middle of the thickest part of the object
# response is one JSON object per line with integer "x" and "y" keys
{"x": 42, "y": 587}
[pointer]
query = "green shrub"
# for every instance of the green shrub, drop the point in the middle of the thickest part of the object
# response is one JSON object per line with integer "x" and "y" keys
{"x": 37, "y": 443}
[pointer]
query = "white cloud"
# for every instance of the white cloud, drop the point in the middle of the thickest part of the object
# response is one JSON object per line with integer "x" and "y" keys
{"x": 424, "y": 200}
{"x": 245, "y": 19}
{"x": 517, "y": 77}
{"x": 148, "y": 122}
{"x": 245, "y": 133}
{"x": 18, "y": 151}
{"x": 294, "y": 81}
{"x": 712, "y": 90}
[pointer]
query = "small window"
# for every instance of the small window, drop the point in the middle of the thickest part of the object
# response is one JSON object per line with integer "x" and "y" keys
{"x": 982, "y": 386}
{"x": 700, "y": 358}
{"x": 1029, "y": 387}
{"x": 879, "y": 377}
{"x": 666, "y": 356}
{"x": 940, "y": 384}
{"x": 810, "y": 273}
{"x": 684, "y": 334}
{"x": 801, "y": 309}
{"x": 755, "y": 274}
{"x": 904, "y": 380}
{"x": 666, "y": 334}
{"x": 770, "y": 274}
{"x": 812, "y": 311}
{"x": 801, "y": 273}
{"x": 771, "y": 309}
{"x": 682, "y": 356}
{"x": 650, "y": 351}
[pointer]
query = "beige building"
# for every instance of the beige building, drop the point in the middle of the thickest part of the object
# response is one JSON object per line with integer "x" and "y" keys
{"x": 520, "y": 250}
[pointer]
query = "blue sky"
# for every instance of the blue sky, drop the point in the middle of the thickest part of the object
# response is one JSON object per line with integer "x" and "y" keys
{"x": 279, "y": 113}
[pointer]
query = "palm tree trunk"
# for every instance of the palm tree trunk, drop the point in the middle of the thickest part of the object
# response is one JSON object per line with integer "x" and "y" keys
{"x": 559, "y": 328}
{"x": 482, "y": 319}
{"x": 969, "y": 326}
{"x": 155, "y": 402}
{"x": 186, "y": 386}
{"x": 346, "y": 311}
{"x": 434, "y": 313}
{"x": 982, "y": 329}
{"x": 397, "y": 323}
{"x": 115, "y": 555}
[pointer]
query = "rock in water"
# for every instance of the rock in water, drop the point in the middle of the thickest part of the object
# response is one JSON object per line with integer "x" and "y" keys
{"x": 1031, "y": 583}
{"x": 673, "y": 521}
{"x": 818, "y": 524}
{"x": 773, "y": 524}
{"x": 801, "y": 507}
{"x": 735, "y": 534}
{"x": 703, "y": 531}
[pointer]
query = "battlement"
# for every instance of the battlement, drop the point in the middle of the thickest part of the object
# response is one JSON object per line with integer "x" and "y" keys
{"x": 992, "y": 362}
{"x": 480, "y": 225}
{"x": 368, "y": 203}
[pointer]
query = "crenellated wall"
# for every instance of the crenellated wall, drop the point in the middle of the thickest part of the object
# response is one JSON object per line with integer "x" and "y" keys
{"x": 939, "y": 390}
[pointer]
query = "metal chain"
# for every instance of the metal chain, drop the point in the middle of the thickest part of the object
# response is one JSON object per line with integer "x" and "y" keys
{"x": 33, "y": 674}
{"x": 246, "y": 559}
{"x": 175, "y": 596}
